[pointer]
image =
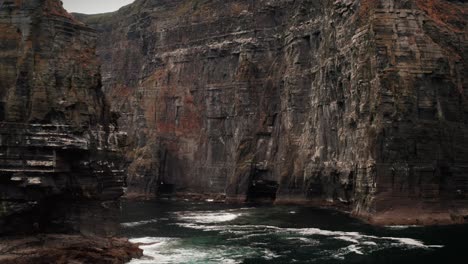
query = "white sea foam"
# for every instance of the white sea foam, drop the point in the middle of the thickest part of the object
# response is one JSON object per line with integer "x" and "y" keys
{"x": 233, "y": 229}
{"x": 219, "y": 228}
{"x": 410, "y": 242}
{"x": 401, "y": 227}
{"x": 356, "y": 238}
{"x": 342, "y": 252}
{"x": 208, "y": 217}
{"x": 148, "y": 240}
{"x": 355, "y": 249}
{"x": 165, "y": 250}
{"x": 139, "y": 223}
{"x": 269, "y": 255}
{"x": 348, "y": 239}
{"x": 247, "y": 235}
{"x": 175, "y": 250}
{"x": 305, "y": 240}
{"x": 151, "y": 247}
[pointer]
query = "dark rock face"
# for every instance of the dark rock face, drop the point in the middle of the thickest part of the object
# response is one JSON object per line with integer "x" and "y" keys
{"x": 354, "y": 103}
{"x": 60, "y": 169}
{"x": 64, "y": 249}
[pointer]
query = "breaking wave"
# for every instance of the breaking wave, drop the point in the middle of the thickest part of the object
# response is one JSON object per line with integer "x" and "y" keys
{"x": 175, "y": 250}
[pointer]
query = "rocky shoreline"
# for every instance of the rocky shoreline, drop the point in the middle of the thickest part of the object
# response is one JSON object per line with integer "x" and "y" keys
{"x": 55, "y": 248}
{"x": 394, "y": 216}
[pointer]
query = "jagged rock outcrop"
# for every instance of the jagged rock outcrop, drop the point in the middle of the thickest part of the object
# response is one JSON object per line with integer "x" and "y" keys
{"x": 60, "y": 165}
{"x": 358, "y": 103}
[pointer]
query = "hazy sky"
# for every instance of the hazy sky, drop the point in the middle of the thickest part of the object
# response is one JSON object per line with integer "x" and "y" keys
{"x": 94, "y": 6}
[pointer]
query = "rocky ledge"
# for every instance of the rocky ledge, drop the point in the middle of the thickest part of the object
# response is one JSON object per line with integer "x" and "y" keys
{"x": 60, "y": 249}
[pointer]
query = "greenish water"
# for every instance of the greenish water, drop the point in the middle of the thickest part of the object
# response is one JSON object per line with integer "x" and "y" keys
{"x": 191, "y": 232}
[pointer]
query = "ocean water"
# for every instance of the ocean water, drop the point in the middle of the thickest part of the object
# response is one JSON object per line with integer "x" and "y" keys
{"x": 203, "y": 232}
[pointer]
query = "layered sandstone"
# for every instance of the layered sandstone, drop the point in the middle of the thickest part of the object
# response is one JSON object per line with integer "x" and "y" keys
{"x": 60, "y": 165}
{"x": 345, "y": 102}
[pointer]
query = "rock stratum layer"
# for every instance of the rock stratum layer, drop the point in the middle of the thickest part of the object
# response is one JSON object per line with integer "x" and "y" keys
{"x": 345, "y": 102}
{"x": 60, "y": 168}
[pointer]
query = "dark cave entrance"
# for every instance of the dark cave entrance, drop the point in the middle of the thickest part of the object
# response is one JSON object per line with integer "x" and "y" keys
{"x": 261, "y": 189}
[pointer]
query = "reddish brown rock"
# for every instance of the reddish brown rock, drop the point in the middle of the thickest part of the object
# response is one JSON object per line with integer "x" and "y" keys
{"x": 65, "y": 249}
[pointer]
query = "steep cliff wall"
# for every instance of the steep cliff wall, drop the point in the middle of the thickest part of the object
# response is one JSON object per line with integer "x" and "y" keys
{"x": 60, "y": 168}
{"x": 355, "y": 103}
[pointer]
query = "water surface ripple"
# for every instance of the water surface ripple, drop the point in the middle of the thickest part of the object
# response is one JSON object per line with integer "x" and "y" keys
{"x": 191, "y": 232}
